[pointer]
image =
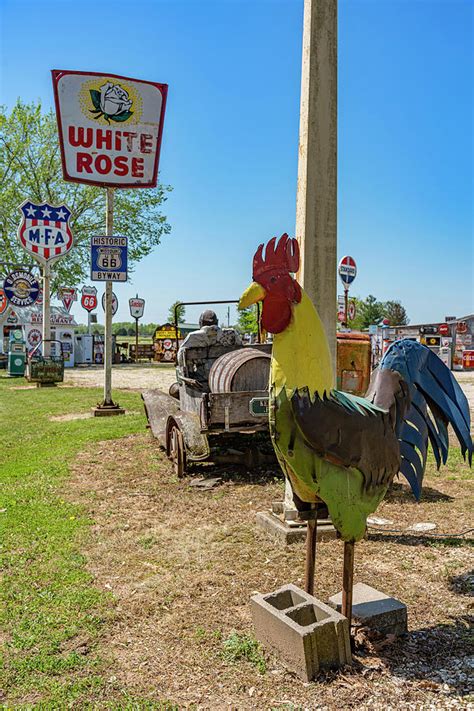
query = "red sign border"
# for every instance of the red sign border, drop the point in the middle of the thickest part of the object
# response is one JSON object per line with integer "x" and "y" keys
{"x": 57, "y": 74}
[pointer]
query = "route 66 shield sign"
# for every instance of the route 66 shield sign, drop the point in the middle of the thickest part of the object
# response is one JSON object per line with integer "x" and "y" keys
{"x": 108, "y": 258}
{"x": 89, "y": 298}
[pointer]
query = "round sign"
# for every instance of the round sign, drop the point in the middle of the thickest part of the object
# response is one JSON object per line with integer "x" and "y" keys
{"x": 34, "y": 337}
{"x": 347, "y": 270}
{"x": 461, "y": 327}
{"x": 167, "y": 355}
{"x": 3, "y": 301}
{"x": 444, "y": 329}
{"x": 21, "y": 288}
{"x": 114, "y": 303}
{"x": 167, "y": 344}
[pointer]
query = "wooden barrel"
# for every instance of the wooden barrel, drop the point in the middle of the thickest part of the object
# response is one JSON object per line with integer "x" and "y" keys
{"x": 243, "y": 370}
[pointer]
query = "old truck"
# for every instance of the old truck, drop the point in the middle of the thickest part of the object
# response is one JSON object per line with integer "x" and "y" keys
{"x": 221, "y": 390}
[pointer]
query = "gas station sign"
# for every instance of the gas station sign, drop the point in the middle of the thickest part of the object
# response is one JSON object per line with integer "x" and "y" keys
{"x": 3, "y": 302}
{"x": 110, "y": 128}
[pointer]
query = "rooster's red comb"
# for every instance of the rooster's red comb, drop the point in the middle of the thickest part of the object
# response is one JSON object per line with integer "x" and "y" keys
{"x": 282, "y": 257}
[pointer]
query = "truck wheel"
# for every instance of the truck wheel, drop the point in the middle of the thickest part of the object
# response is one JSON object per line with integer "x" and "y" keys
{"x": 176, "y": 451}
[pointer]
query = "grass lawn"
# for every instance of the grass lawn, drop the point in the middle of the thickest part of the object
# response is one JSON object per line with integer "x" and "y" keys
{"x": 123, "y": 588}
{"x": 46, "y": 596}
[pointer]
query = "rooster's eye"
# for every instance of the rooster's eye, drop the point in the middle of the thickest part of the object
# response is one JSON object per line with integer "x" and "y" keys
{"x": 273, "y": 280}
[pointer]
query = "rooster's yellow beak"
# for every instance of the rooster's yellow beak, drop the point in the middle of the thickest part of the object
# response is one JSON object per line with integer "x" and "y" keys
{"x": 254, "y": 293}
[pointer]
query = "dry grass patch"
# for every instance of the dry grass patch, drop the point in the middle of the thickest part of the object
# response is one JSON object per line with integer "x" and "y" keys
{"x": 182, "y": 563}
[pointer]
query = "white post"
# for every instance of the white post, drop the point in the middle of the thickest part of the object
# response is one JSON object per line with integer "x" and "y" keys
{"x": 109, "y": 226}
{"x": 316, "y": 200}
{"x": 46, "y": 345}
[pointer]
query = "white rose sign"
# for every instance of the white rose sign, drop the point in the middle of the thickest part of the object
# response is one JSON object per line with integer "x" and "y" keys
{"x": 110, "y": 128}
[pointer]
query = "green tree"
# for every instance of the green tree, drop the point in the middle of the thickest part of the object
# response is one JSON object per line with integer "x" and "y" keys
{"x": 371, "y": 311}
{"x": 247, "y": 321}
{"x": 181, "y": 312}
{"x": 396, "y": 313}
{"x": 30, "y": 168}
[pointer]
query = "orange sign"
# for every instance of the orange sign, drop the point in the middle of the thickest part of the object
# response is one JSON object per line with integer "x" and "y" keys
{"x": 3, "y": 301}
{"x": 468, "y": 360}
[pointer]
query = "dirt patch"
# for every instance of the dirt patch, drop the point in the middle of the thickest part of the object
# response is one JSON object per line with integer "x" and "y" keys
{"x": 182, "y": 563}
{"x": 124, "y": 377}
{"x": 82, "y": 416}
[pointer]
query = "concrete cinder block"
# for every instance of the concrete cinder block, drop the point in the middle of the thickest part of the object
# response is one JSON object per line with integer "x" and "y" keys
{"x": 289, "y": 532}
{"x": 375, "y": 610}
{"x": 300, "y": 629}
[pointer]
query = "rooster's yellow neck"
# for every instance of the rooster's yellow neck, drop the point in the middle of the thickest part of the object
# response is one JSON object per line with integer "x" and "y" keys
{"x": 300, "y": 355}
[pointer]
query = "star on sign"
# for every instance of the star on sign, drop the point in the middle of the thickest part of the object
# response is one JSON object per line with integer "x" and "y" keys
{"x": 30, "y": 211}
{"x": 46, "y": 212}
{"x": 61, "y": 214}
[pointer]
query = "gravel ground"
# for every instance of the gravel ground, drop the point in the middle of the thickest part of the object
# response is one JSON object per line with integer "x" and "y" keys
{"x": 140, "y": 377}
{"x": 124, "y": 377}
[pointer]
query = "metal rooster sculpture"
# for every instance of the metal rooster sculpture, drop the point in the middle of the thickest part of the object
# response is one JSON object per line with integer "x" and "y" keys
{"x": 333, "y": 446}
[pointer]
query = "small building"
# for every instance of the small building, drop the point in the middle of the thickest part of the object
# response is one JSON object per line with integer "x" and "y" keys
{"x": 452, "y": 339}
{"x": 30, "y": 320}
{"x": 164, "y": 340}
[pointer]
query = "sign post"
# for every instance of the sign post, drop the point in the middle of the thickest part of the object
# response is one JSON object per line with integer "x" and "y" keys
{"x": 89, "y": 303}
{"x": 44, "y": 233}
{"x": 347, "y": 271}
{"x": 137, "y": 306}
{"x": 110, "y": 129}
{"x": 109, "y": 227}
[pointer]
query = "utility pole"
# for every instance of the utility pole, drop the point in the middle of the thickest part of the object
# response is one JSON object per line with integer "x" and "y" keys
{"x": 316, "y": 201}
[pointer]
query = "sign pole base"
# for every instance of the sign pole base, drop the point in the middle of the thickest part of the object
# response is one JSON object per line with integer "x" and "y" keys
{"x": 107, "y": 410}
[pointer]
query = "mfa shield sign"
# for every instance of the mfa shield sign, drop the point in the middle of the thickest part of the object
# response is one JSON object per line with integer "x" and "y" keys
{"x": 44, "y": 231}
{"x": 110, "y": 128}
{"x": 109, "y": 259}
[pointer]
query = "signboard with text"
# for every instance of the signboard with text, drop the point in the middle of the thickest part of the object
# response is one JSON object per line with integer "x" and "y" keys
{"x": 67, "y": 295}
{"x": 110, "y": 128}
{"x": 89, "y": 298}
{"x": 21, "y": 288}
{"x": 44, "y": 231}
{"x": 347, "y": 271}
{"x": 109, "y": 258}
{"x": 137, "y": 307}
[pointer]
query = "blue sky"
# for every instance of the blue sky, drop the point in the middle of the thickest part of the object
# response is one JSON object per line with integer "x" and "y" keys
{"x": 231, "y": 134}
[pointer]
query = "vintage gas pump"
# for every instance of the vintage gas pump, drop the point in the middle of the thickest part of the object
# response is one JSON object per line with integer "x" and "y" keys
{"x": 16, "y": 353}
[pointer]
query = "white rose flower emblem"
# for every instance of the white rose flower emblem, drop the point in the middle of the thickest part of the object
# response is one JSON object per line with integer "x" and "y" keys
{"x": 112, "y": 102}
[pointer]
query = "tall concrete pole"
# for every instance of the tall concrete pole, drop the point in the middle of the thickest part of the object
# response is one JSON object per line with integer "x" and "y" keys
{"x": 47, "y": 310}
{"x": 316, "y": 199}
{"x": 109, "y": 227}
{"x": 316, "y": 202}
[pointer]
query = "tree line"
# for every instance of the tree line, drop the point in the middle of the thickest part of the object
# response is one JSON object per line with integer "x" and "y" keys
{"x": 368, "y": 311}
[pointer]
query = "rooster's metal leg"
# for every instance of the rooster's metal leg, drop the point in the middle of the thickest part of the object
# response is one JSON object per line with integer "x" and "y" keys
{"x": 348, "y": 580}
{"x": 311, "y": 535}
